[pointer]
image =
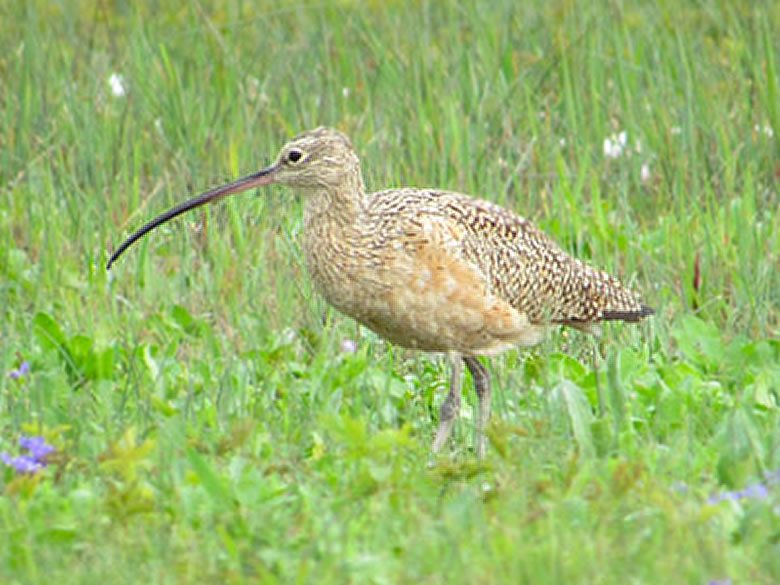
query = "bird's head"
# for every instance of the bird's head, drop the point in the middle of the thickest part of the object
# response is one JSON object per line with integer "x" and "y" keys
{"x": 319, "y": 159}
{"x": 322, "y": 159}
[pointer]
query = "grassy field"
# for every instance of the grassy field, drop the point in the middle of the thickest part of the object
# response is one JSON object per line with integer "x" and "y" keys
{"x": 209, "y": 424}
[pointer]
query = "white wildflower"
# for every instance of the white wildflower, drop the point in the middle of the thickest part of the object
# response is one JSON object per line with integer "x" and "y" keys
{"x": 615, "y": 145}
{"x": 289, "y": 335}
{"x": 117, "y": 84}
{"x": 253, "y": 88}
{"x": 644, "y": 173}
{"x": 766, "y": 130}
{"x": 348, "y": 346}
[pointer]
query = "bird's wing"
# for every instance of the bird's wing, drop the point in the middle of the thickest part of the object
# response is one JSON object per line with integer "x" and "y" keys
{"x": 537, "y": 276}
{"x": 439, "y": 298}
{"x": 519, "y": 263}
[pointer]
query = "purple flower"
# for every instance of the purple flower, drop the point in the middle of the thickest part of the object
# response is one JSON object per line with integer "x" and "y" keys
{"x": 36, "y": 446}
{"x": 22, "y": 463}
{"x": 24, "y": 368}
{"x": 720, "y": 582}
{"x": 348, "y": 346}
{"x": 773, "y": 477}
{"x": 33, "y": 461}
{"x": 756, "y": 491}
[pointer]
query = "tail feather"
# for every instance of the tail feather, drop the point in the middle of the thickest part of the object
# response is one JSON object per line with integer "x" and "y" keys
{"x": 630, "y": 316}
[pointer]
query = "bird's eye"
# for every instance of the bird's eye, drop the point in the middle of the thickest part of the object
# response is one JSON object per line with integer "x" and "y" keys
{"x": 294, "y": 155}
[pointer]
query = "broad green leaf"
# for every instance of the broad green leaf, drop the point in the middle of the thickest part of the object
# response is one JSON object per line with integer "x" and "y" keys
{"x": 577, "y": 409}
{"x": 213, "y": 484}
{"x": 48, "y": 331}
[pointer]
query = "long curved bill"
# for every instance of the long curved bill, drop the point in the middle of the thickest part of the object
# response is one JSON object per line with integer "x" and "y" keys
{"x": 257, "y": 179}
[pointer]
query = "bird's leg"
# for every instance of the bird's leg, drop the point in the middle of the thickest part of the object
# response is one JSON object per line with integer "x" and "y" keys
{"x": 450, "y": 408}
{"x": 599, "y": 392}
{"x": 482, "y": 386}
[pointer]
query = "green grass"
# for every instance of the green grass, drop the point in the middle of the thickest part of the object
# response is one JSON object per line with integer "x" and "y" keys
{"x": 208, "y": 427}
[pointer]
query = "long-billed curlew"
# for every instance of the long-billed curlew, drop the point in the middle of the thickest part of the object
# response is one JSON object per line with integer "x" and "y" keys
{"x": 427, "y": 269}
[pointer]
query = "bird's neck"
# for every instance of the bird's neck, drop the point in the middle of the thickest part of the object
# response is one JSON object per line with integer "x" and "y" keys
{"x": 341, "y": 206}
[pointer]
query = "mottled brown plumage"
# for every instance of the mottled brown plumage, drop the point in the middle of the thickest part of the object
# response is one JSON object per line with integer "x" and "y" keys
{"x": 428, "y": 269}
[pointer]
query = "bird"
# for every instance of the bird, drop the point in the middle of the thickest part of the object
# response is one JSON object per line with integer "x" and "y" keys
{"x": 429, "y": 269}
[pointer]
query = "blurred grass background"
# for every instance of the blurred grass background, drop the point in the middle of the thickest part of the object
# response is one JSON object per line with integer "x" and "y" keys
{"x": 210, "y": 429}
